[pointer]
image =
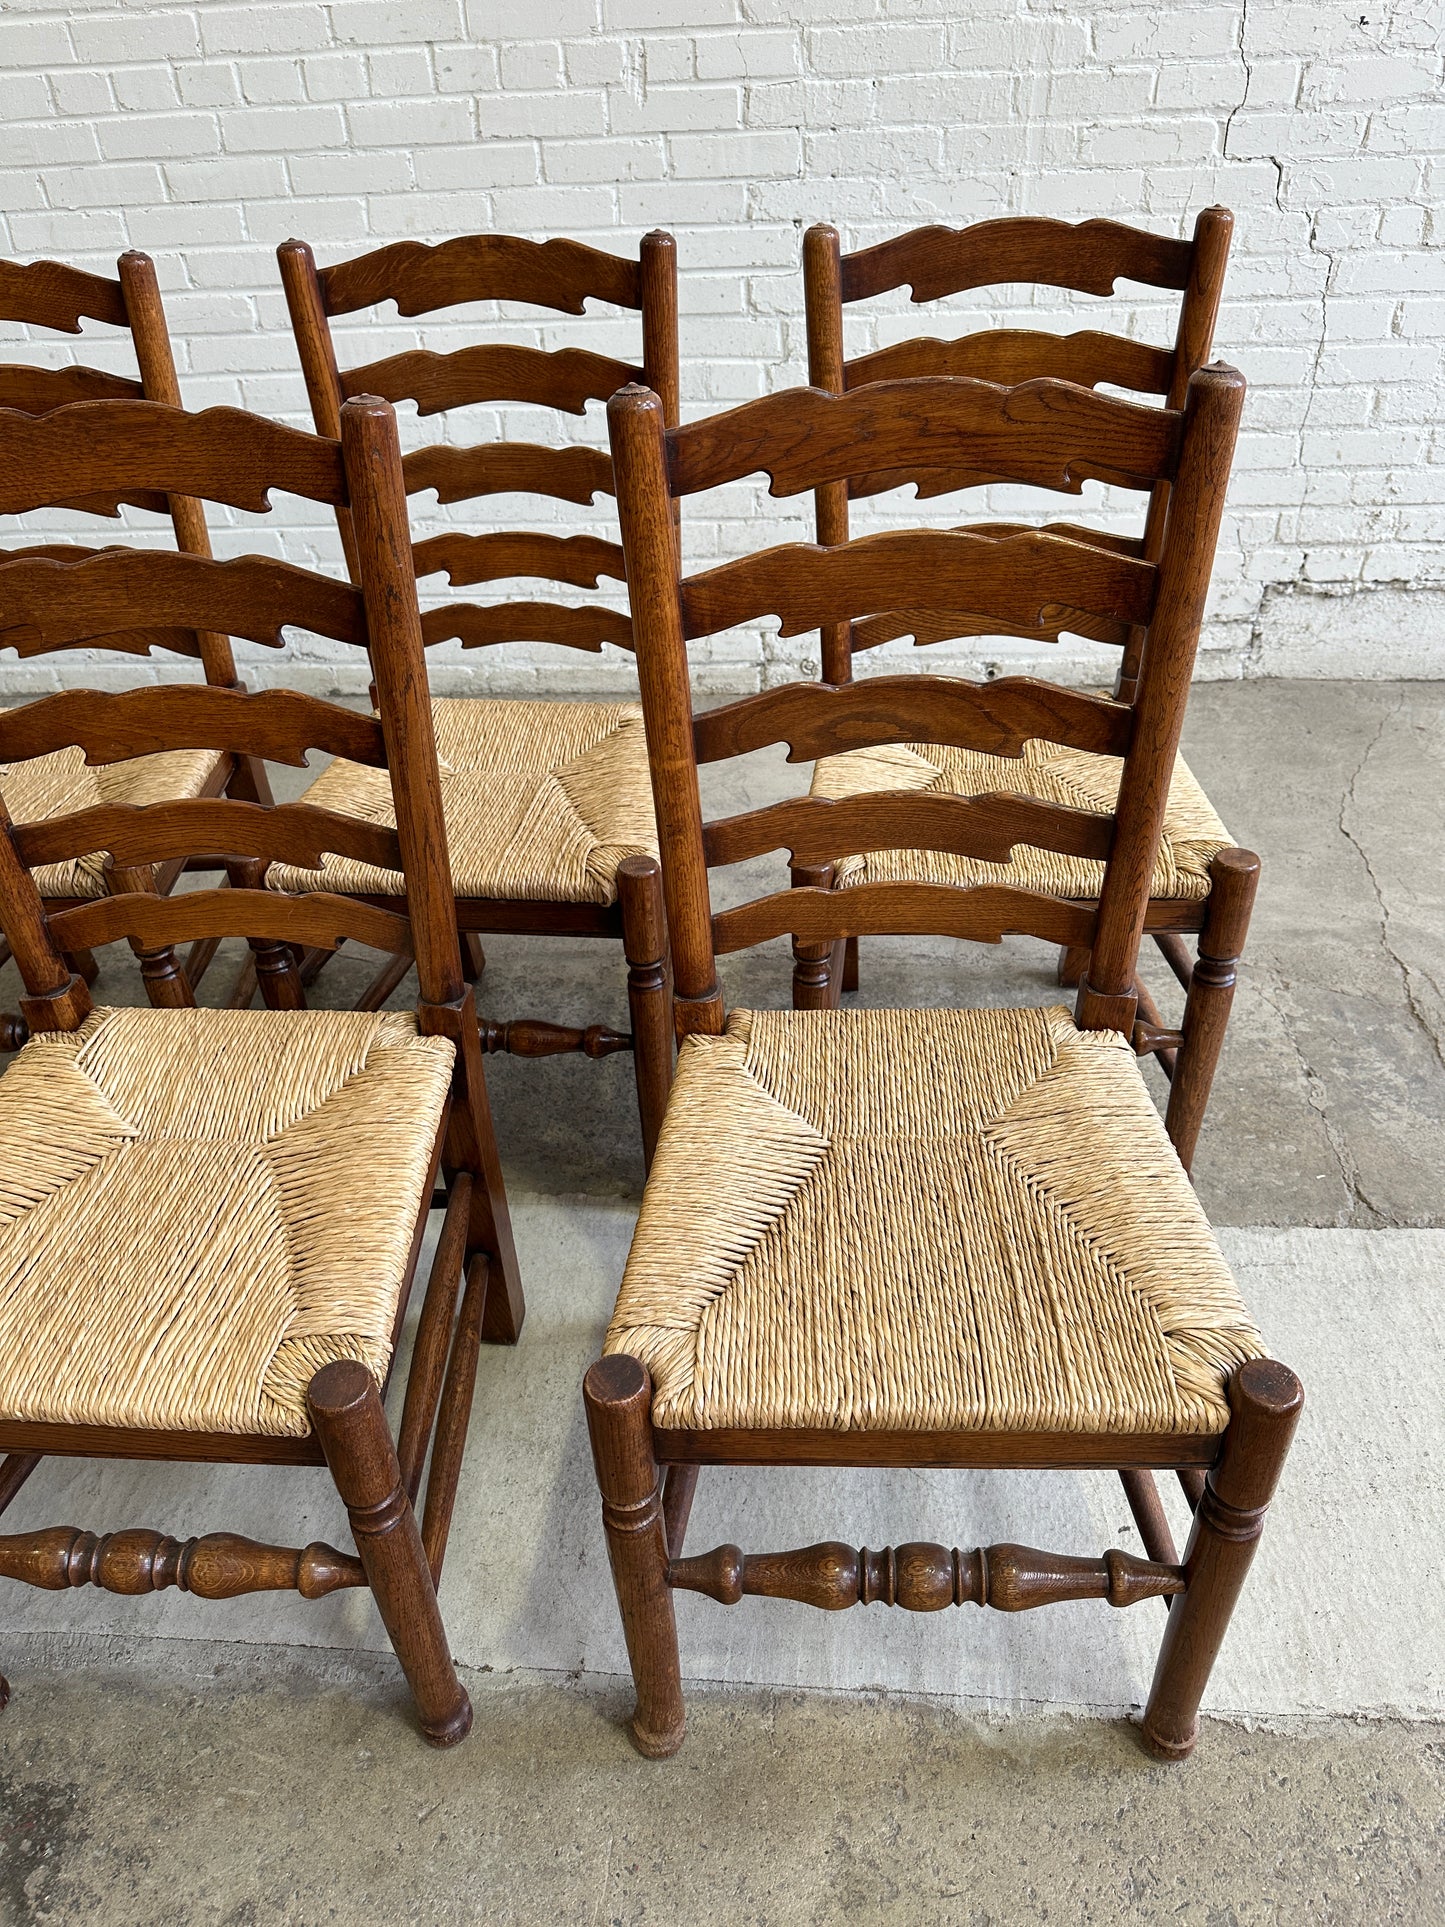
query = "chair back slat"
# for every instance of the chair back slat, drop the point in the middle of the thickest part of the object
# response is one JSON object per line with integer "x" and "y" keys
{"x": 579, "y": 559}
{"x": 51, "y": 294}
{"x": 816, "y": 830}
{"x": 224, "y": 455}
{"x": 984, "y": 913}
{"x": 1086, "y": 256}
{"x": 318, "y": 919}
{"x": 871, "y": 632}
{"x": 478, "y": 626}
{"x": 135, "y": 835}
{"x": 804, "y": 438}
{"x": 59, "y": 604}
{"x": 1046, "y": 432}
{"x": 996, "y": 718}
{"x": 562, "y": 378}
{"x": 1089, "y": 258}
{"x": 69, "y": 598}
{"x": 1010, "y": 355}
{"x": 573, "y": 474}
{"x": 280, "y": 725}
{"x": 35, "y": 391}
{"x": 1018, "y": 576}
{"x": 559, "y": 274}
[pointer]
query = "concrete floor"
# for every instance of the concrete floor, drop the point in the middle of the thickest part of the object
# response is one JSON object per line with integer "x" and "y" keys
{"x": 166, "y": 1761}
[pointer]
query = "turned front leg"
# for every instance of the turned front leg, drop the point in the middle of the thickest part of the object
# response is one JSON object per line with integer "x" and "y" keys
{"x": 618, "y": 1395}
{"x": 345, "y": 1409}
{"x": 1265, "y": 1400}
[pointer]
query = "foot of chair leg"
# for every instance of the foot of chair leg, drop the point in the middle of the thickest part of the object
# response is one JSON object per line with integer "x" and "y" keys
{"x": 4, "y": 1692}
{"x": 1265, "y": 1400}
{"x": 618, "y": 1396}
{"x": 345, "y": 1409}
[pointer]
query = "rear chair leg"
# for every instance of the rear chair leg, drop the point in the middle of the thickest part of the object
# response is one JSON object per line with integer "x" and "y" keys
{"x": 1234, "y": 878}
{"x": 618, "y": 1395}
{"x": 345, "y": 1409}
{"x": 1265, "y": 1400}
{"x": 649, "y": 994}
{"x": 815, "y": 967}
{"x": 1073, "y": 962}
{"x": 850, "y": 964}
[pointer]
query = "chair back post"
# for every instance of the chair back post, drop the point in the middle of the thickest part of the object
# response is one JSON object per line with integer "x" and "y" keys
{"x": 1193, "y": 345}
{"x": 377, "y": 494}
{"x": 823, "y": 309}
{"x": 57, "y": 1000}
{"x": 1213, "y": 404}
{"x": 657, "y": 258}
{"x": 152, "y": 337}
{"x": 317, "y": 353}
{"x": 636, "y": 424}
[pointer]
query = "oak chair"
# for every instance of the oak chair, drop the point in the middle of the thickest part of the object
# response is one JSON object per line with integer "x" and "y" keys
{"x": 548, "y": 804}
{"x": 212, "y": 1218}
{"x": 1087, "y": 258}
{"x": 925, "y": 1237}
{"x": 53, "y": 295}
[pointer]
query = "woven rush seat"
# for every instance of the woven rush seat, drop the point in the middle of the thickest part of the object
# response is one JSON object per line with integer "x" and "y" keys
{"x": 1193, "y": 834}
{"x": 200, "y": 1208}
{"x": 62, "y": 783}
{"x": 542, "y": 802}
{"x": 924, "y": 1220}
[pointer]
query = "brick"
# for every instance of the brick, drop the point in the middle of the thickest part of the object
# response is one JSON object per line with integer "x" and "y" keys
{"x": 145, "y": 89}
{"x": 410, "y": 123}
{"x": 376, "y": 23}
{"x": 575, "y": 111}
{"x": 78, "y": 91}
{"x": 276, "y": 28}
{"x": 751, "y": 155}
{"x": 333, "y": 76}
{"x": 244, "y": 182}
{"x": 133, "y": 136}
{"x": 350, "y": 173}
{"x": 103, "y": 187}
{"x": 669, "y": 110}
{"x": 399, "y": 70}
{"x": 281, "y": 130}
{"x": 477, "y": 166}
{"x": 135, "y": 35}
{"x": 44, "y": 143}
{"x": 273, "y": 80}
{"x": 531, "y": 65}
{"x": 752, "y": 55}
{"x": 640, "y": 159}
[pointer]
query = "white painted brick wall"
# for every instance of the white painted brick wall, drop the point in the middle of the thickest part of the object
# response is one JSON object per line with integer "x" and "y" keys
{"x": 205, "y": 132}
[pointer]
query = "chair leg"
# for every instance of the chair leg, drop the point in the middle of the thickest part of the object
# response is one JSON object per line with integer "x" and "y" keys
{"x": 1234, "y": 878}
{"x": 850, "y": 964}
{"x": 1073, "y": 962}
{"x": 678, "y": 1490}
{"x": 1265, "y": 1400}
{"x": 618, "y": 1396}
{"x": 474, "y": 958}
{"x": 649, "y": 994}
{"x": 83, "y": 963}
{"x": 345, "y": 1409}
{"x": 813, "y": 987}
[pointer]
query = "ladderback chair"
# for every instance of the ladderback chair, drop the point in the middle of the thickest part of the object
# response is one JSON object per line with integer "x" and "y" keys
{"x": 54, "y": 295}
{"x": 1088, "y": 258}
{"x": 924, "y": 1237}
{"x": 212, "y": 1217}
{"x": 546, "y": 801}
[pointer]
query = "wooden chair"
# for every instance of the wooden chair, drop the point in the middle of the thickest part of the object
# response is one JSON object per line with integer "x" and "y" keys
{"x": 925, "y": 1237}
{"x": 50, "y": 294}
{"x": 546, "y": 802}
{"x": 212, "y": 1217}
{"x": 1089, "y": 258}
